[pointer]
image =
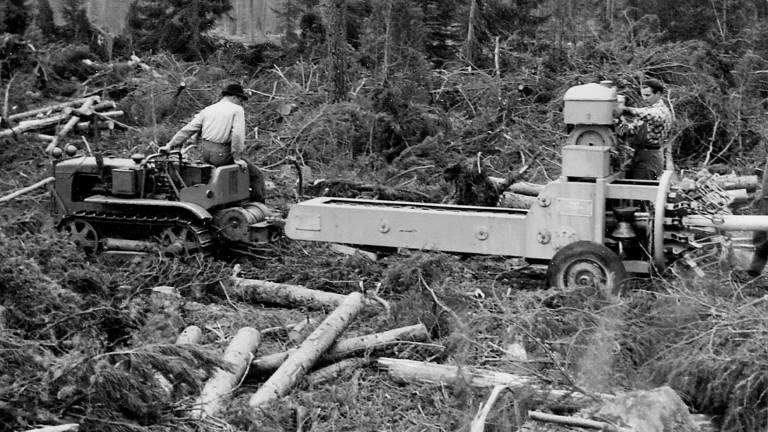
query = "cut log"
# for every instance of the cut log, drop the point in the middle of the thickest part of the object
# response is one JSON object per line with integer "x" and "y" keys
{"x": 71, "y": 427}
{"x": 575, "y": 421}
{"x": 728, "y": 182}
{"x": 525, "y": 188}
{"x": 347, "y": 347}
{"x": 260, "y": 291}
{"x": 218, "y": 389}
{"x": 26, "y": 126}
{"x": 302, "y": 360}
{"x": 46, "y": 110}
{"x": 415, "y": 371}
{"x": 333, "y": 371}
{"x": 71, "y": 123}
{"x": 24, "y": 190}
{"x": 191, "y": 335}
{"x": 516, "y": 200}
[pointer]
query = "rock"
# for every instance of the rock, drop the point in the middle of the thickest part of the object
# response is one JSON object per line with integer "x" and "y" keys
{"x": 657, "y": 410}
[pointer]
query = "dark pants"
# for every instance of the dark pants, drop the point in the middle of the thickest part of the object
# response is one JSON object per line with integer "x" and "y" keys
{"x": 760, "y": 241}
{"x": 647, "y": 164}
{"x": 221, "y": 154}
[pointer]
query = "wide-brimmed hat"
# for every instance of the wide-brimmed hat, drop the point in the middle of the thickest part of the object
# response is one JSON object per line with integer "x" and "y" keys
{"x": 234, "y": 90}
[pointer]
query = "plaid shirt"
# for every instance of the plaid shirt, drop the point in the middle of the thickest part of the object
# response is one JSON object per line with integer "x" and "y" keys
{"x": 658, "y": 119}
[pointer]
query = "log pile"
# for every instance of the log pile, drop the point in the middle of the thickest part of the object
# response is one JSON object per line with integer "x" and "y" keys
{"x": 323, "y": 355}
{"x": 53, "y": 123}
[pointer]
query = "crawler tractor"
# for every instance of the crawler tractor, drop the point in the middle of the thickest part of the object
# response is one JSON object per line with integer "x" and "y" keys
{"x": 589, "y": 226}
{"x": 159, "y": 203}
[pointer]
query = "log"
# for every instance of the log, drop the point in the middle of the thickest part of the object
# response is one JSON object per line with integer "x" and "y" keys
{"x": 24, "y": 190}
{"x": 286, "y": 295}
{"x": 415, "y": 371}
{"x": 191, "y": 335}
{"x": 70, "y": 427}
{"x": 516, "y": 200}
{"x": 347, "y": 347}
{"x": 71, "y": 123}
{"x": 575, "y": 421}
{"x": 302, "y": 360}
{"x": 333, "y": 371}
{"x": 47, "y": 110}
{"x": 525, "y": 188}
{"x": 728, "y": 182}
{"x": 218, "y": 389}
{"x": 33, "y": 125}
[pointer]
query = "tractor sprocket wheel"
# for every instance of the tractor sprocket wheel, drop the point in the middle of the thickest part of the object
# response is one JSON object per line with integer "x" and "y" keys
{"x": 83, "y": 234}
{"x": 179, "y": 240}
{"x": 587, "y": 264}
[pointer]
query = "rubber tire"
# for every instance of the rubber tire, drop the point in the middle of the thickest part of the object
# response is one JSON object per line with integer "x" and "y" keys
{"x": 592, "y": 254}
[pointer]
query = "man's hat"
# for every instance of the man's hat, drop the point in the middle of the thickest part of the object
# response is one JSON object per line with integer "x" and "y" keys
{"x": 234, "y": 90}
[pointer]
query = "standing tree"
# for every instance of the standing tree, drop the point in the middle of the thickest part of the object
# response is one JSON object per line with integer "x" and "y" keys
{"x": 178, "y": 26}
{"x": 77, "y": 27}
{"x": 335, "y": 13}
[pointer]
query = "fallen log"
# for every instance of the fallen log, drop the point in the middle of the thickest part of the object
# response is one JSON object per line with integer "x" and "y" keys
{"x": 347, "y": 347}
{"x": 302, "y": 360}
{"x": 70, "y": 427}
{"x": 575, "y": 422}
{"x": 433, "y": 373}
{"x": 219, "y": 388}
{"x": 71, "y": 123}
{"x": 333, "y": 371}
{"x": 33, "y": 125}
{"x": 516, "y": 200}
{"x": 260, "y": 291}
{"x": 24, "y": 190}
{"x": 46, "y": 110}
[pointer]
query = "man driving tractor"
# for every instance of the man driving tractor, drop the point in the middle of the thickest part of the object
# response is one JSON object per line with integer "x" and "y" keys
{"x": 221, "y": 129}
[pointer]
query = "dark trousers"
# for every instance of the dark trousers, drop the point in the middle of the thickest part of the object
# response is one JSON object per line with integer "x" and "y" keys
{"x": 221, "y": 154}
{"x": 760, "y": 241}
{"x": 647, "y": 164}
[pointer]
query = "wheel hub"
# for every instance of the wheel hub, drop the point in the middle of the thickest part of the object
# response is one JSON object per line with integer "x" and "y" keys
{"x": 83, "y": 234}
{"x": 585, "y": 273}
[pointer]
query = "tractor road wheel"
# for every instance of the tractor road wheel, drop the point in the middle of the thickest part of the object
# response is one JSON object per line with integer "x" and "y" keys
{"x": 179, "y": 240}
{"x": 83, "y": 234}
{"x": 587, "y": 264}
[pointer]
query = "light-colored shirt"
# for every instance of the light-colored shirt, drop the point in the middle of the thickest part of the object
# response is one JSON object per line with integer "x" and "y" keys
{"x": 222, "y": 122}
{"x": 658, "y": 119}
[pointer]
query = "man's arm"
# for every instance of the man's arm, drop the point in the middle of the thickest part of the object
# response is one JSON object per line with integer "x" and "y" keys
{"x": 191, "y": 128}
{"x": 237, "y": 137}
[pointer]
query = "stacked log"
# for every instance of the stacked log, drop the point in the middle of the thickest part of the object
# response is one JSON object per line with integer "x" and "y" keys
{"x": 75, "y": 115}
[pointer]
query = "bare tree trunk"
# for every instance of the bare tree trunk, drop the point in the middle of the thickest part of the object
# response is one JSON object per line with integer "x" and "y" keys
{"x": 335, "y": 11}
{"x": 300, "y": 361}
{"x": 471, "y": 30}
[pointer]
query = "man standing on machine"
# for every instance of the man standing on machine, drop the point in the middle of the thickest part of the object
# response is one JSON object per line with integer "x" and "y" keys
{"x": 222, "y": 133}
{"x": 649, "y": 126}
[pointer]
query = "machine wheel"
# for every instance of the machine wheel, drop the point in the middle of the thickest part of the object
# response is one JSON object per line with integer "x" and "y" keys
{"x": 83, "y": 234}
{"x": 585, "y": 263}
{"x": 179, "y": 240}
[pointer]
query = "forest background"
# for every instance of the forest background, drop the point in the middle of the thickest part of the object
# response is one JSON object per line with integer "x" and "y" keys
{"x": 389, "y": 92}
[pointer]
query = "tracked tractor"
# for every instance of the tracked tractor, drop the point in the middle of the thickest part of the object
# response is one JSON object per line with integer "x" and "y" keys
{"x": 161, "y": 203}
{"x": 591, "y": 226}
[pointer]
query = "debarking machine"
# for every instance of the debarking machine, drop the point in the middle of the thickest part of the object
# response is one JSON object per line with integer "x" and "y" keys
{"x": 590, "y": 225}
